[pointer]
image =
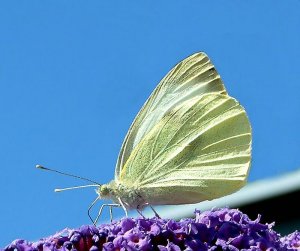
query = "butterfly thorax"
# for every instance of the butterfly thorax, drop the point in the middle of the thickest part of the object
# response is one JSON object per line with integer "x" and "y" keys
{"x": 129, "y": 196}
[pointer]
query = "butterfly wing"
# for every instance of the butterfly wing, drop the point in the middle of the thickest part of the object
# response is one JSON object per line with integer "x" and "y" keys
{"x": 199, "y": 150}
{"x": 192, "y": 77}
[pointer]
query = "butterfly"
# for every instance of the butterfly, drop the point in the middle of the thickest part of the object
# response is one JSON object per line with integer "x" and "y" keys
{"x": 190, "y": 142}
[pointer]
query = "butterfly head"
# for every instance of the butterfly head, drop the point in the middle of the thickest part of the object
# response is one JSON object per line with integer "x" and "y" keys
{"x": 106, "y": 191}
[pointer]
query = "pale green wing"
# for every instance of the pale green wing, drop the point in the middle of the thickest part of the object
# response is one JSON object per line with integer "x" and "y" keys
{"x": 192, "y": 77}
{"x": 201, "y": 148}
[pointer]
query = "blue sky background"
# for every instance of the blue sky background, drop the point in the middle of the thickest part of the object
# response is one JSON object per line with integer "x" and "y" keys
{"x": 73, "y": 74}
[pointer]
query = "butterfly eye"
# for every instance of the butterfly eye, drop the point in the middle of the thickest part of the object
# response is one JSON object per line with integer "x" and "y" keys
{"x": 104, "y": 191}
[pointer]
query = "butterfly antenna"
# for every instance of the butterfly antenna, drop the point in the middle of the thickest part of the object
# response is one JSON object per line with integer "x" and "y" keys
{"x": 71, "y": 188}
{"x": 67, "y": 174}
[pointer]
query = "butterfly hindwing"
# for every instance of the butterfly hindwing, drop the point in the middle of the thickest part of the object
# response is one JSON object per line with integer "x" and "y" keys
{"x": 202, "y": 146}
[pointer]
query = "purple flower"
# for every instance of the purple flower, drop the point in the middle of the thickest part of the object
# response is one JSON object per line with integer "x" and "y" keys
{"x": 292, "y": 241}
{"x": 218, "y": 229}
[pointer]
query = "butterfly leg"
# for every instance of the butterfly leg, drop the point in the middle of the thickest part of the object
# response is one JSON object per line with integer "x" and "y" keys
{"x": 124, "y": 208}
{"x": 89, "y": 209}
{"x": 155, "y": 213}
{"x": 111, "y": 212}
{"x": 101, "y": 209}
{"x": 139, "y": 211}
{"x": 99, "y": 213}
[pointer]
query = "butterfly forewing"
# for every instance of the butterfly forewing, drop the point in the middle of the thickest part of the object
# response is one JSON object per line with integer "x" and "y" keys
{"x": 190, "y": 78}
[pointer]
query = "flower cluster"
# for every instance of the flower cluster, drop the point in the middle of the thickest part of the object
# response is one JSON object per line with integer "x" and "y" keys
{"x": 218, "y": 229}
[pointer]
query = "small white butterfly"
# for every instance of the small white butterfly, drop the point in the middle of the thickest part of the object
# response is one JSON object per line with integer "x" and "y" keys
{"x": 190, "y": 142}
